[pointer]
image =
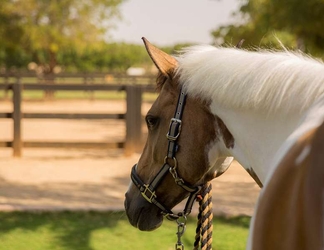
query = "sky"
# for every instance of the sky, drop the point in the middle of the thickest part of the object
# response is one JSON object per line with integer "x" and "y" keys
{"x": 167, "y": 22}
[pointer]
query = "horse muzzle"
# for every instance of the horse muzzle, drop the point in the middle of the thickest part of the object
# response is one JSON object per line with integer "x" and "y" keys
{"x": 141, "y": 214}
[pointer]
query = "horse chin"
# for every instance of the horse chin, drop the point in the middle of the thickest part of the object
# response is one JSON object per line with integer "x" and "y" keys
{"x": 145, "y": 223}
{"x": 141, "y": 214}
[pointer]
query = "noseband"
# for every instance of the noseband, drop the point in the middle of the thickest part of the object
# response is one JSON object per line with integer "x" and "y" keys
{"x": 148, "y": 190}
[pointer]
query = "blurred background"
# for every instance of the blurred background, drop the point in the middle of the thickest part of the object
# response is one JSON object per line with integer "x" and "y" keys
{"x": 75, "y": 83}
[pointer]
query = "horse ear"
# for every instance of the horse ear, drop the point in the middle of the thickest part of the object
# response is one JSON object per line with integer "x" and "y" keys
{"x": 163, "y": 61}
{"x": 239, "y": 44}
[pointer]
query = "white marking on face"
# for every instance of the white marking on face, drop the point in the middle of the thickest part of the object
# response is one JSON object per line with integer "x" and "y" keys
{"x": 301, "y": 157}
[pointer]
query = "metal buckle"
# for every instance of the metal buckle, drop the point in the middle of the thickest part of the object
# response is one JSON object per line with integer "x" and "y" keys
{"x": 151, "y": 193}
{"x": 170, "y": 137}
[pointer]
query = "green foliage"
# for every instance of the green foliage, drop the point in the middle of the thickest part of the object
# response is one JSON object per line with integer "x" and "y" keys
{"x": 69, "y": 34}
{"x": 176, "y": 48}
{"x": 106, "y": 230}
{"x": 116, "y": 57}
{"x": 42, "y": 29}
{"x": 297, "y": 24}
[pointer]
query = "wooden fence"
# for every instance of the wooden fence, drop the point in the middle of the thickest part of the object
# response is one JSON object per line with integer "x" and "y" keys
{"x": 132, "y": 116}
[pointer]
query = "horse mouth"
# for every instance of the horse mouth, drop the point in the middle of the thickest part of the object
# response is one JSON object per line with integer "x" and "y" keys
{"x": 145, "y": 224}
{"x": 142, "y": 215}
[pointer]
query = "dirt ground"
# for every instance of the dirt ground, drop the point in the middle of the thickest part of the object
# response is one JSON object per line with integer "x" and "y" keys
{"x": 88, "y": 179}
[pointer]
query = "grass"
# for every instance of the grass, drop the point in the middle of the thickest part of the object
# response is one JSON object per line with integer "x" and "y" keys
{"x": 96, "y": 95}
{"x": 106, "y": 231}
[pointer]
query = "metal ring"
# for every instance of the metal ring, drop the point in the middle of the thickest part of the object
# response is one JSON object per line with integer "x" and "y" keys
{"x": 175, "y": 162}
{"x": 183, "y": 217}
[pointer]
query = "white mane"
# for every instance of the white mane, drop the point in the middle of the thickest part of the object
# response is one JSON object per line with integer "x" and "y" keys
{"x": 265, "y": 81}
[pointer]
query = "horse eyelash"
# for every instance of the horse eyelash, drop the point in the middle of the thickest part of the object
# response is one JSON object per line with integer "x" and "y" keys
{"x": 151, "y": 121}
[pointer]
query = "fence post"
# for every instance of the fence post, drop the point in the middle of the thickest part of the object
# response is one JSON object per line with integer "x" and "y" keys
{"x": 16, "y": 115}
{"x": 133, "y": 119}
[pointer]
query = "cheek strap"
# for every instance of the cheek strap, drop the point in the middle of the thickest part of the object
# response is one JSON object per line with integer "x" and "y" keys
{"x": 148, "y": 190}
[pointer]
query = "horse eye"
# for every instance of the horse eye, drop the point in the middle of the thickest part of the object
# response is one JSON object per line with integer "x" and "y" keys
{"x": 151, "y": 121}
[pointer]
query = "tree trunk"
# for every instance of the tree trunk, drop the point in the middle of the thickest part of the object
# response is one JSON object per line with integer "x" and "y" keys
{"x": 49, "y": 74}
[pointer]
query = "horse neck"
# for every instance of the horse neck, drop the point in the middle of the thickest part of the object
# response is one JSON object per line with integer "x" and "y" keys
{"x": 257, "y": 137}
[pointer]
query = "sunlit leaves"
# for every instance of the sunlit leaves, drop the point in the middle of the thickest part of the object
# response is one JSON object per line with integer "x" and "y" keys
{"x": 43, "y": 28}
{"x": 297, "y": 24}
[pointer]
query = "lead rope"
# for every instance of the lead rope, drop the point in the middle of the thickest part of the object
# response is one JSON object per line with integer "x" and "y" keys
{"x": 204, "y": 229}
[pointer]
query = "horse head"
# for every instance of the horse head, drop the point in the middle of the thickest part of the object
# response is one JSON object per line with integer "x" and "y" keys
{"x": 185, "y": 148}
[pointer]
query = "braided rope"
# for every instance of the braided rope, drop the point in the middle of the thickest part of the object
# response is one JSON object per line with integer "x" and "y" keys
{"x": 204, "y": 229}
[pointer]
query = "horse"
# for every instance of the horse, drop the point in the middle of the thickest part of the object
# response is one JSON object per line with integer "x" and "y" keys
{"x": 265, "y": 109}
{"x": 289, "y": 213}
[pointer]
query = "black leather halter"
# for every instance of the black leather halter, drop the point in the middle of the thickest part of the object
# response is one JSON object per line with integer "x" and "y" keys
{"x": 148, "y": 190}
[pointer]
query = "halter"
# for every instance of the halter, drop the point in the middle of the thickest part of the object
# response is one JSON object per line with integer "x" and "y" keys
{"x": 148, "y": 190}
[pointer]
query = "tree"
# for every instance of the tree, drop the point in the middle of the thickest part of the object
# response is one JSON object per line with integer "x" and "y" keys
{"x": 46, "y": 27}
{"x": 113, "y": 57}
{"x": 11, "y": 53}
{"x": 298, "y": 24}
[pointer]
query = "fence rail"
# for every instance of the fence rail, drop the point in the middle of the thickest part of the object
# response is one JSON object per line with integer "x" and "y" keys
{"x": 132, "y": 117}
